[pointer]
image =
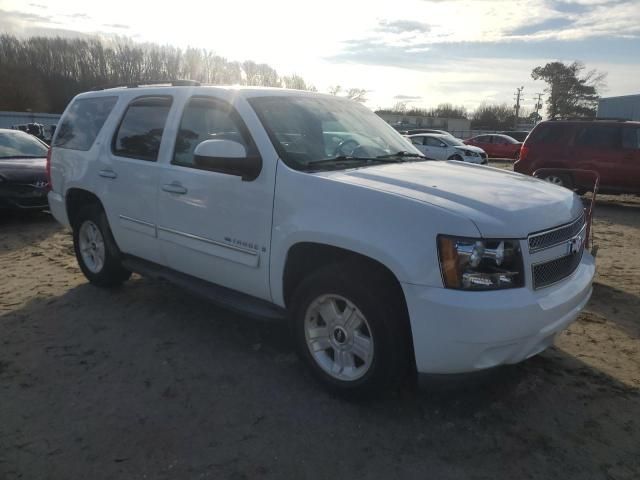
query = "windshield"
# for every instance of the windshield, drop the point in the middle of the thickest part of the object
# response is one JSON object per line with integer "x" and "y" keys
{"x": 454, "y": 142}
{"x": 312, "y": 133}
{"x": 21, "y": 145}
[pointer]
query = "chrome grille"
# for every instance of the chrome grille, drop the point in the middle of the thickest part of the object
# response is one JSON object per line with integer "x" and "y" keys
{"x": 555, "y": 236}
{"x": 548, "y": 273}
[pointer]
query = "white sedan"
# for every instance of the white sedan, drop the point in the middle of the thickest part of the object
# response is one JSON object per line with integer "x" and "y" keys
{"x": 446, "y": 147}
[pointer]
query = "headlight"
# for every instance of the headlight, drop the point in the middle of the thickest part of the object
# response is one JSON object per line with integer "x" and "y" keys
{"x": 480, "y": 264}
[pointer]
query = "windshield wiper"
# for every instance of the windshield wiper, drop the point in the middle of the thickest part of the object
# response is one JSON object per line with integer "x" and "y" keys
{"x": 402, "y": 154}
{"x": 346, "y": 158}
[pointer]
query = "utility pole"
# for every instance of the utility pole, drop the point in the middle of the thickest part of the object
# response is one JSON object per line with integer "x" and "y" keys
{"x": 517, "y": 106}
{"x": 538, "y": 106}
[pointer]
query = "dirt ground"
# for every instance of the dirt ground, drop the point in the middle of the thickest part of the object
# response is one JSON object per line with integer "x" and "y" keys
{"x": 149, "y": 382}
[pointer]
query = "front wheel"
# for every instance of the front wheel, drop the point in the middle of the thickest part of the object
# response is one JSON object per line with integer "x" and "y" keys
{"x": 455, "y": 157}
{"x": 560, "y": 180}
{"x": 95, "y": 249}
{"x": 349, "y": 331}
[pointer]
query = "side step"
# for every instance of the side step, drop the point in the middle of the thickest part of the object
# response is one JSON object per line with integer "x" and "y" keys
{"x": 225, "y": 297}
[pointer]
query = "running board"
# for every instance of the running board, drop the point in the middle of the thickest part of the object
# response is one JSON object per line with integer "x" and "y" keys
{"x": 225, "y": 297}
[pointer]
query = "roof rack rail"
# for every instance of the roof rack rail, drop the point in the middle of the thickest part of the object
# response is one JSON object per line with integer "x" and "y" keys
{"x": 173, "y": 83}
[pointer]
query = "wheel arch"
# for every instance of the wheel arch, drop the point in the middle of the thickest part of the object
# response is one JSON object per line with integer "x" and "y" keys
{"x": 305, "y": 257}
{"x": 76, "y": 199}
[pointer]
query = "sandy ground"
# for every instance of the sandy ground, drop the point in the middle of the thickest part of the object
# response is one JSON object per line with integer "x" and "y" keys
{"x": 149, "y": 382}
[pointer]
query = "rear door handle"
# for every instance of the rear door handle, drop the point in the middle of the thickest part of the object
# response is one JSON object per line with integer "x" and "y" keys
{"x": 174, "y": 188}
{"x": 108, "y": 174}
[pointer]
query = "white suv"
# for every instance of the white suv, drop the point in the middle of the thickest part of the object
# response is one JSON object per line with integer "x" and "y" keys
{"x": 277, "y": 202}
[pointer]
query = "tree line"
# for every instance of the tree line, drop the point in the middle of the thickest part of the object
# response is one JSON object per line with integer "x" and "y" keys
{"x": 42, "y": 74}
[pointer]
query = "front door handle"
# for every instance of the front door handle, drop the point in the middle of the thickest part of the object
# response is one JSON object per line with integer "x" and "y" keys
{"x": 108, "y": 174}
{"x": 174, "y": 188}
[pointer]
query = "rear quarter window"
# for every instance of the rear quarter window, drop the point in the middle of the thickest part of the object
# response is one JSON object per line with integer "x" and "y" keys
{"x": 82, "y": 122}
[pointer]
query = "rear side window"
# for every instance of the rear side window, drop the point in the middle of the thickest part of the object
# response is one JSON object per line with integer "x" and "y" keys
{"x": 550, "y": 134}
{"x": 598, "y": 136}
{"x": 631, "y": 138}
{"x": 417, "y": 140}
{"x": 81, "y": 124}
{"x": 140, "y": 131}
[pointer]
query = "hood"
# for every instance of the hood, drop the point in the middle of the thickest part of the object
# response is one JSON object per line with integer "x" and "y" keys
{"x": 501, "y": 204}
{"x": 470, "y": 148}
{"x": 23, "y": 170}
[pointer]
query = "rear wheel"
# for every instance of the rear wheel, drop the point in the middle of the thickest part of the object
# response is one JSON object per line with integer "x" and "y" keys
{"x": 348, "y": 330}
{"x": 560, "y": 180}
{"x": 95, "y": 248}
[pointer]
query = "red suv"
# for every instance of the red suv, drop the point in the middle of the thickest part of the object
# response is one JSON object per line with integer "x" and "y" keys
{"x": 610, "y": 147}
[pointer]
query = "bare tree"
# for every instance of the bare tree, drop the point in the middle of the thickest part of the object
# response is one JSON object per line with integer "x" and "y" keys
{"x": 43, "y": 74}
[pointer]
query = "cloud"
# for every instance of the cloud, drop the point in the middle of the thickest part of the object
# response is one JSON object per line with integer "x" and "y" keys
{"x": 402, "y": 26}
{"x": 544, "y": 26}
{"x": 82, "y": 16}
{"x": 407, "y": 98}
{"x": 11, "y": 16}
{"x": 116, "y": 25}
{"x": 429, "y": 56}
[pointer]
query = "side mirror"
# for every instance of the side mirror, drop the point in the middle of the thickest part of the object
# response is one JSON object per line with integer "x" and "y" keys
{"x": 227, "y": 156}
{"x": 443, "y": 145}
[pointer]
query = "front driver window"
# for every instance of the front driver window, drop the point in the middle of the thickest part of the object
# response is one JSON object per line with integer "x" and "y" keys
{"x": 206, "y": 119}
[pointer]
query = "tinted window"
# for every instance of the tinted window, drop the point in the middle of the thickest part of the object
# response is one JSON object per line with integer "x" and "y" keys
{"x": 550, "y": 134}
{"x": 598, "y": 136}
{"x": 20, "y": 144}
{"x": 483, "y": 139}
{"x": 631, "y": 138}
{"x": 140, "y": 130}
{"x": 82, "y": 122}
{"x": 206, "y": 119}
{"x": 434, "y": 142}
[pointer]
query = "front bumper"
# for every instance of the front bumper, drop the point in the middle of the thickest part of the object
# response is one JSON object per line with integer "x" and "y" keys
{"x": 22, "y": 197}
{"x": 455, "y": 331}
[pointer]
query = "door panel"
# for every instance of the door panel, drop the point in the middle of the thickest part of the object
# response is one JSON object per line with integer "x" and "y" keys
{"x": 216, "y": 227}
{"x": 128, "y": 175}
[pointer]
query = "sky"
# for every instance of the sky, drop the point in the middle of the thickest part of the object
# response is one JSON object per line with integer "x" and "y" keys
{"x": 421, "y": 52}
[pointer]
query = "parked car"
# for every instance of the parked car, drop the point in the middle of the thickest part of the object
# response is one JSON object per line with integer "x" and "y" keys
{"x": 496, "y": 145}
{"x": 518, "y": 135}
{"x": 417, "y": 131}
{"x": 23, "y": 177}
{"x": 611, "y": 148}
{"x": 384, "y": 263}
{"x": 445, "y": 147}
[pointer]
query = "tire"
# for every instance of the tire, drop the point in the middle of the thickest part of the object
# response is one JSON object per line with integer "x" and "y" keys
{"x": 455, "y": 157}
{"x": 100, "y": 261}
{"x": 560, "y": 180}
{"x": 363, "y": 353}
